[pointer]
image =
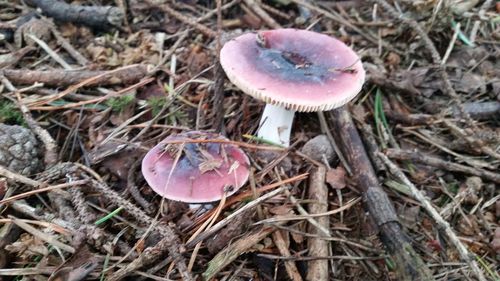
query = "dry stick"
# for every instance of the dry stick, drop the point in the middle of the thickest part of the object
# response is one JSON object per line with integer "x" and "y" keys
{"x": 326, "y": 130}
{"x": 254, "y": 5}
{"x": 416, "y": 156}
{"x": 40, "y": 190}
{"x": 43, "y": 236}
{"x": 92, "y": 80}
{"x": 485, "y": 6}
{"x": 82, "y": 208}
{"x": 462, "y": 134}
{"x": 124, "y": 75}
{"x": 147, "y": 257}
{"x": 93, "y": 16}
{"x": 234, "y": 250}
{"x": 213, "y": 12}
{"x": 51, "y": 151}
{"x": 26, "y": 209}
{"x": 226, "y": 220}
{"x": 218, "y": 100}
{"x": 94, "y": 235}
{"x": 318, "y": 192}
{"x": 249, "y": 194}
{"x": 66, "y": 44}
{"x": 96, "y": 100}
{"x": 290, "y": 266}
{"x": 339, "y": 19}
{"x": 409, "y": 264}
{"x": 14, "y": 57}
{"x": 443, "y": 224}
{"x": 133, "y": 189}
{"x": 185, "y": 19}
{"x": 50, "y": 52}
{"x": 4, "y": 172}
{"x": 172, "y": 243}
{"x": 436, "y": 59}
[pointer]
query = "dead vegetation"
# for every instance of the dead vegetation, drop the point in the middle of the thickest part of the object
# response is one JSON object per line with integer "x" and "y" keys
{"x": 402, "y": 184}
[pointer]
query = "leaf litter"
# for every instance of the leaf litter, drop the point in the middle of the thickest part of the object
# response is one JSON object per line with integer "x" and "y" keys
{"x": 405, "y": 107}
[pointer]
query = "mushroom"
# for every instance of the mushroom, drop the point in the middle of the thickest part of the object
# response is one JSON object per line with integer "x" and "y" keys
{"x": 188, "y": 167}
{"x": 292, "y": 70}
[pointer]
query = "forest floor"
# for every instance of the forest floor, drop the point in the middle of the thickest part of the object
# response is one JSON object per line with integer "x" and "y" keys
{"x": 401, "y": 183}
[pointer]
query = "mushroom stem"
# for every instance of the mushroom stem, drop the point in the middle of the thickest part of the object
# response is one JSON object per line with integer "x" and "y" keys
{"x": 276, "y": 124}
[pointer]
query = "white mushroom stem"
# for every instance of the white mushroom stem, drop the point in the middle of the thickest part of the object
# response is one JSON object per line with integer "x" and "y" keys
{"x": 276, "y": 125}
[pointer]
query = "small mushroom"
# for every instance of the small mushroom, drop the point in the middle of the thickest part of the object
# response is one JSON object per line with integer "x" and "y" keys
{"x": 292, "y": 70}
{"x": 188, "y": 167}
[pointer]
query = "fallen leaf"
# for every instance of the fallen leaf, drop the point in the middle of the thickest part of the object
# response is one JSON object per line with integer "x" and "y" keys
{"x": 336, "y": 178}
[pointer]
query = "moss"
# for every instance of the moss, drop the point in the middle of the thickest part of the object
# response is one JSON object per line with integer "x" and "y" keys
{"x": 118, "y": 104}
{"x": 156, "y": 104}
{"x": 10, "y": 114}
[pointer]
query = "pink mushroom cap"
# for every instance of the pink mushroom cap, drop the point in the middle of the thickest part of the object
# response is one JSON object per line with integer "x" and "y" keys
{"x": 181, "y": 169}
{"x": 296, "y": 69}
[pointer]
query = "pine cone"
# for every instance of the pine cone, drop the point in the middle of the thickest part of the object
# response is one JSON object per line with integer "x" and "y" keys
{"x": 19, "y": 150}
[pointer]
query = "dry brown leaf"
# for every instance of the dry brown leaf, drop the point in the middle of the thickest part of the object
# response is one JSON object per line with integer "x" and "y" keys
{"x": 197, "y": 60}
{"x": 468, "y": 225}
{"x": 336, "y": 178}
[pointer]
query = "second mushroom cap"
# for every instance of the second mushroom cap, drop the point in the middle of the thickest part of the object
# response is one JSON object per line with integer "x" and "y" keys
{"x": 195, "y": 167}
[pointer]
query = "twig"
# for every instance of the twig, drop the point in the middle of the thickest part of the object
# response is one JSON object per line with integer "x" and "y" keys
{"x": 442, "y": 164}
{"x": 472, "y": 141}
{"x": 249, "y": 194}
{"x": 51, "y": 154}
{"x": 228, "y": 219}
{"x": 19, "y": 178}
{"x": 124, "y": 75}
{"x": 93, "y": 16}
{"x": 218, "y": 100}
{"x": 148, "y": 256}
{"x": 252, "y": 4}
{"x": 134, "y": 191}
{"x": 318, "y": 192}
{"x": 174, "y": 246}
{"x": 308, "y": 216}
{"x": 326, "y": 130}
{"x": 99, "y": 99}
{"x": 43, "y": 236}
{"x": 50, "y": 52}
{"x": 83, "y": 210}
{"x": 443, "y": 224}
{"x": 485, "y": 6}
{"x": 451, "y": 45}
{"x": 185, "y": 19}
{"x": 290, "y": 266}
{"x": 66, "y": 44}
{"x": 232, "y": 251}
{"x": 339, "y": 19}
{"x": 410, "y": 265}
{"x": 40, "y": 190}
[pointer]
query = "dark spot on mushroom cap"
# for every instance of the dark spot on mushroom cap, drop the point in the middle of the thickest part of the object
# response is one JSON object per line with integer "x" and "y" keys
{"x": 292, "y": 60}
